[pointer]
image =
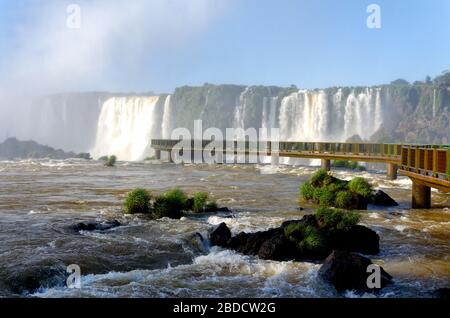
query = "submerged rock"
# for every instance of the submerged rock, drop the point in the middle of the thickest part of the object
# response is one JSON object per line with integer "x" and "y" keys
{"x": 37, "y": 275}
{"x": 349, "y": 271}
{"x": 381, "y": 198}
{"x": 220, "y": 235}
{"x": 95, "y": 226}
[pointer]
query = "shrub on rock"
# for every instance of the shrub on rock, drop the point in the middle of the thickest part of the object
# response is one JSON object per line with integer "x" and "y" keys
{"x": 335, "y": 219}
{"x": 111, "y": 161}
{"x": 199, "y": 202}
{"x": 307, "y": 191}
{"x": 171, "y": 204}
{"x": 137, "y": 201}
{"x": 343, "y": 199}
{"x": 360, "y": 186}
{"x": 328, "y": 191}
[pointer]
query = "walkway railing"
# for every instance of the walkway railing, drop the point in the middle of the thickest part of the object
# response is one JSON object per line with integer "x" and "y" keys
{"x": 427, "y": 161}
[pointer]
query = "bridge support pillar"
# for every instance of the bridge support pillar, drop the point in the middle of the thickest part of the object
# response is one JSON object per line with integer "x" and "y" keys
{"x": 158, "y": 154}
{"x": 275, "y": 160}
{"x": 421, "y": 196}
{"x": 326, "y": 164}
{"x": 391, "y": 171}
{"x": 169, "y": 156}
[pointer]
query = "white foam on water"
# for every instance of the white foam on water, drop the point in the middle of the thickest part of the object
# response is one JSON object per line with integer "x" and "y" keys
{"x": 246, "y": 222}
{"x": 400, "y": 228}
{"x": 221, "y": 272}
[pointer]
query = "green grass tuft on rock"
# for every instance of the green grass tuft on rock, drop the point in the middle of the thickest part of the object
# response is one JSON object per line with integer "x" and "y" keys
{"x": 360, "y": 186}
{"x": 336, "y": 219}
{"x": 137, "y": 201}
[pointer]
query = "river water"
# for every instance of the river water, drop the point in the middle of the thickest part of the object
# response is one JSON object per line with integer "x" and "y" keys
{"x": 41, "y": 199}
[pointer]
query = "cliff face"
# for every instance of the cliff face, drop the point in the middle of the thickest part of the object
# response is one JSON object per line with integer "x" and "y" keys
{"x": 398, "y": 112}
{"x": 421, "y": 114}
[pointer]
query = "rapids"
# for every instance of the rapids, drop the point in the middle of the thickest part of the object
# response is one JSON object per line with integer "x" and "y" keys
{"x": 41, "y": 199}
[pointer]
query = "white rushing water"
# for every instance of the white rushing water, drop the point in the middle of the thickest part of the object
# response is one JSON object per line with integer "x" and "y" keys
{"x": 167, "y": 124}
{"x": 124, "y": 127}
{"x": 313, "y": 115}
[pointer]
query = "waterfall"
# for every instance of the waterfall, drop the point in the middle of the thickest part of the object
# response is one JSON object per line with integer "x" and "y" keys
{"x": 316, "y": 116}
{"x": 239, "y": 112}
{"x": 269, "y": 112}
{"x": 378, "y": 110}
{"x": 166, "y": 125}
{"x": 124, "y": 127}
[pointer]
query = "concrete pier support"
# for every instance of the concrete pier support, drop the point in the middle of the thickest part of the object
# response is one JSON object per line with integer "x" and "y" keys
{"x": 275, "y": 160}
{"x": 169, "y": 156}
{"x": 326, "y": 164}
{"x": 421, "y": 196}
{"x": 158, "y": 154}
{"x": 391, "y": 171}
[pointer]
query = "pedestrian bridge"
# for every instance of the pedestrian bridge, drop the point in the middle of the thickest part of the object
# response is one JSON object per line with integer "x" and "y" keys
{"x": 428, "y": 166}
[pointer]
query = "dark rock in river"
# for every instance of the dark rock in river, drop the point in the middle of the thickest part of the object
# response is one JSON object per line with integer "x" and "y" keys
{"x": 220, "y": 235}
{"x": 381, "y": 198}
{"x": 96, "y": 226}
{"x": 277, "y": 248}
{"x": 197, "y": 242}
{"x": 42, "y": 274}
{"x": 348, "y": 271}
{"x": 273, "y": 244}
{"x": 358, "y": 238}
{"x": 224, "y": 209}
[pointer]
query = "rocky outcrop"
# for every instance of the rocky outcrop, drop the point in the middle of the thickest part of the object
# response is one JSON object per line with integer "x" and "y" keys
{"x": 381, "y": 198}
{"x": 358, "y": 239}
{"x": 349, "y": 271}
{"x": 273, "y": 244}
{"x": 220, "y": 235}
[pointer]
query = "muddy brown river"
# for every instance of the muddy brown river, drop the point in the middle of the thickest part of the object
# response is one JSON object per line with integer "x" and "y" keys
{"x": 41, "y": 199}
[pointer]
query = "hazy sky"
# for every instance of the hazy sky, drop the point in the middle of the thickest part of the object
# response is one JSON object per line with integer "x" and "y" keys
{"x": 157, "y": 45}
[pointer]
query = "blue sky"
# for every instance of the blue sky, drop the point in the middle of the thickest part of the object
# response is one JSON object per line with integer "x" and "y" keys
{"x": 162, "y": 44}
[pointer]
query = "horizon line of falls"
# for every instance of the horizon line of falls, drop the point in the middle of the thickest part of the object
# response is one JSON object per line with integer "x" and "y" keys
{"x": 125, "y": 127}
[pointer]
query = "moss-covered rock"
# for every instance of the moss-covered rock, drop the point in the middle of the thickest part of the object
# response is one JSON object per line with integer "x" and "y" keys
{"x": 313, "y": 237}
{"x": 328, "y": 191}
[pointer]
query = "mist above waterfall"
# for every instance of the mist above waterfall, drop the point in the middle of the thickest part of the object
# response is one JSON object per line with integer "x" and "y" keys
{"x": 114, "y": 40}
